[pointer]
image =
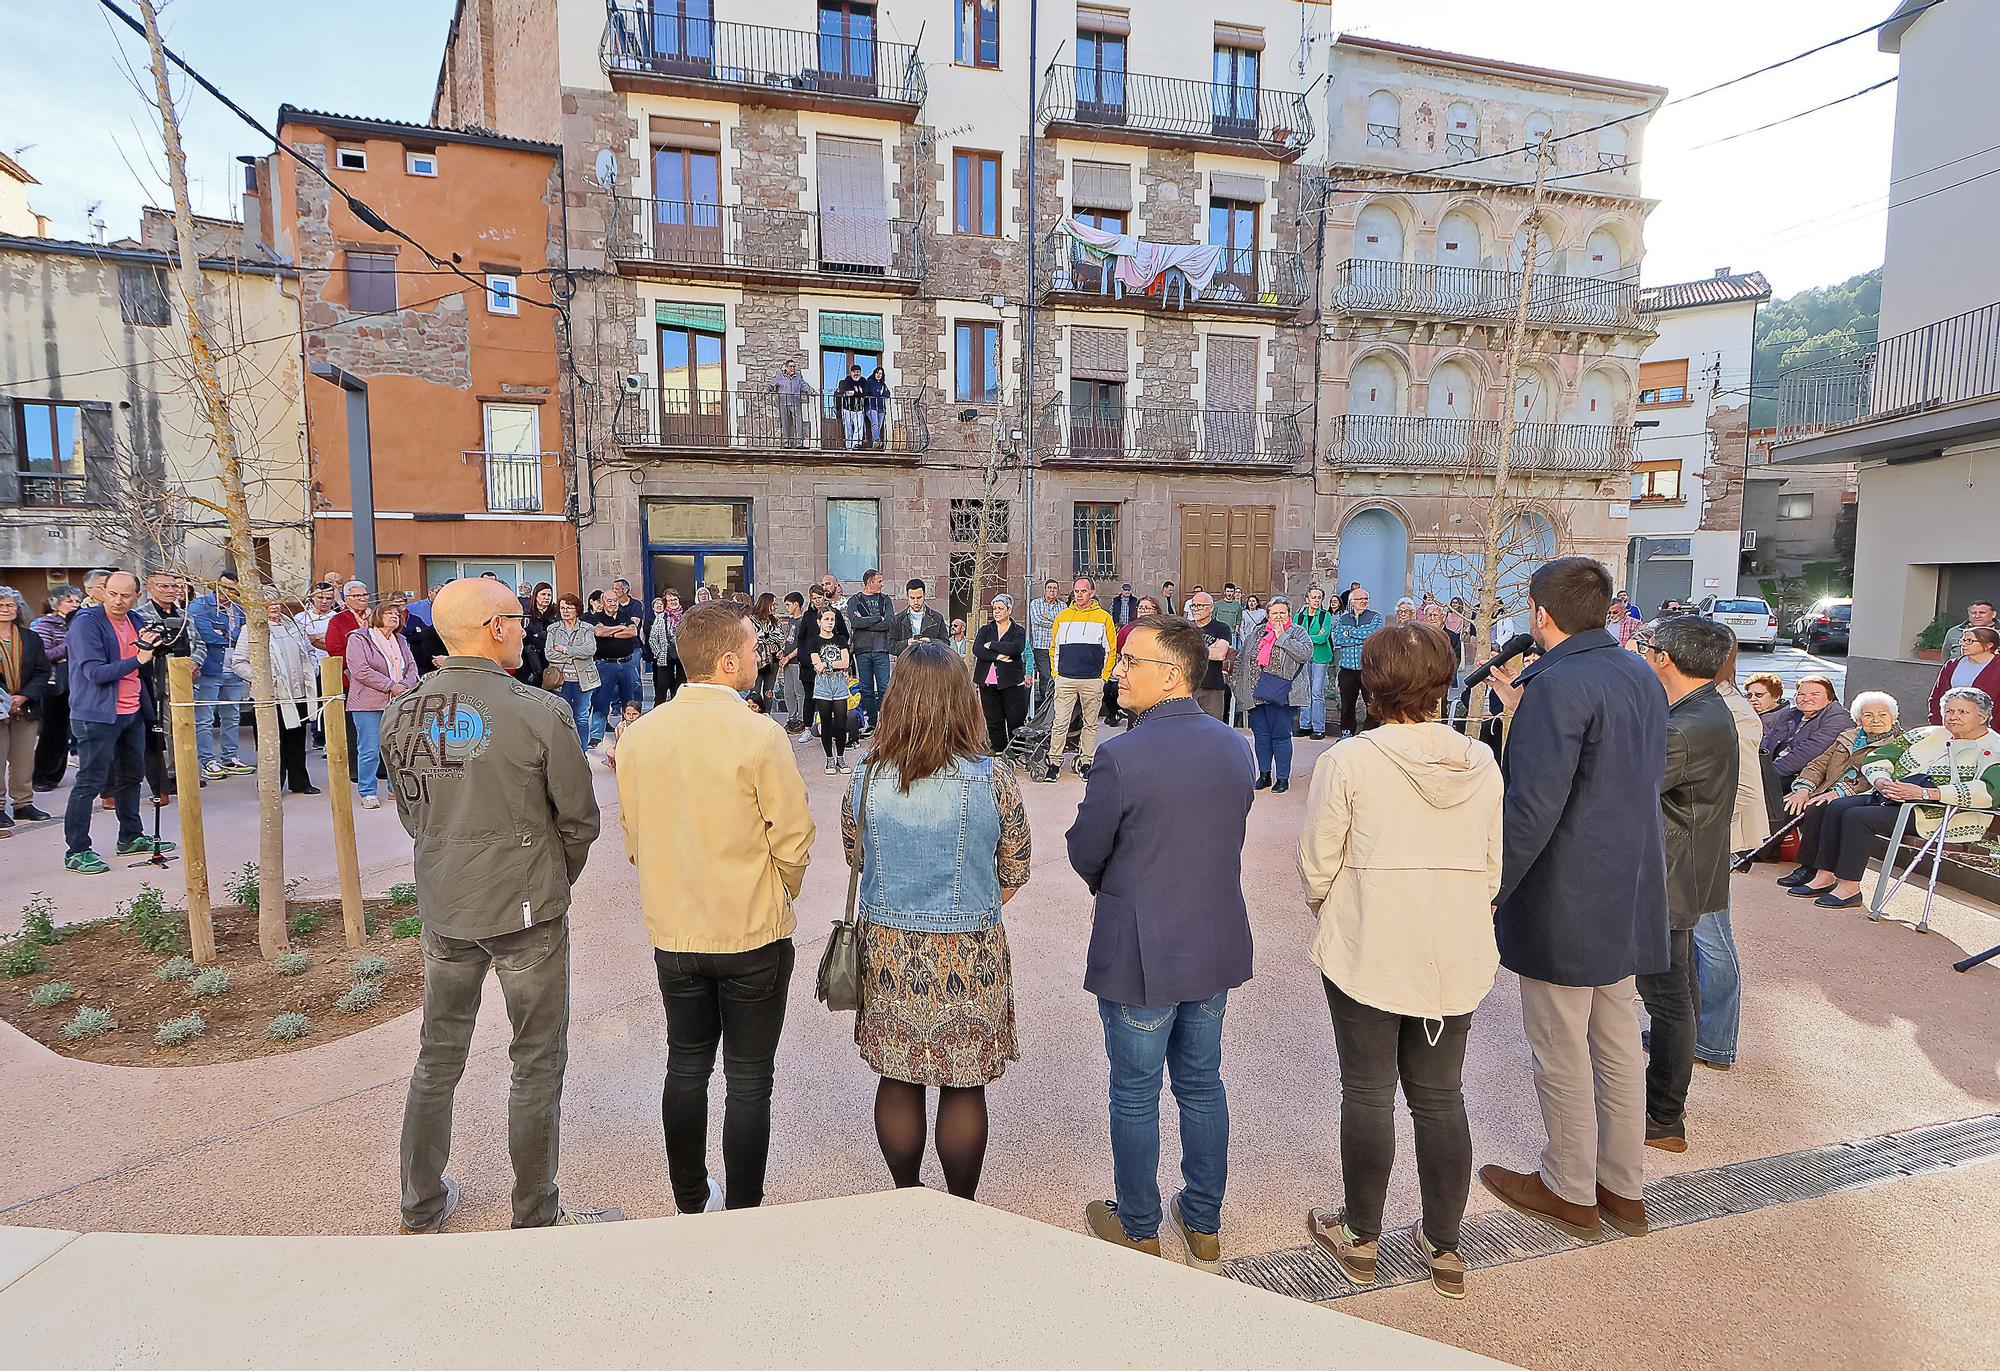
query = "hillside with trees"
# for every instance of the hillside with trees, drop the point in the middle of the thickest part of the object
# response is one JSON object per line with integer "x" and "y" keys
{"x": 1822, "y": 322}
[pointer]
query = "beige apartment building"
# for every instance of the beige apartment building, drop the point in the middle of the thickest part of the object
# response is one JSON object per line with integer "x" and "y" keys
{"x": 1427, "y": 234}
{"x": 106, "y": 458}
{"x": 1125, "y": 332}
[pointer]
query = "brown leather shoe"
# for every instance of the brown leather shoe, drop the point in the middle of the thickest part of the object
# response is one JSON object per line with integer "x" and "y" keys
{"x": 1526, "y": 1193}
{"x": 1102, "y": 1218}
{"x": 1627, "y": 1216}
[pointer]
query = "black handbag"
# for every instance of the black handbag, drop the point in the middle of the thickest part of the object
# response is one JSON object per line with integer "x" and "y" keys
{"x": 839, "y": 983}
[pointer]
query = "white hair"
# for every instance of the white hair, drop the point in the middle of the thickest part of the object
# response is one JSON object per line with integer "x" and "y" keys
{"x": 1973, "y": 696}
{"x": 353, "y": 586}
{"x": 1874, "y": 697}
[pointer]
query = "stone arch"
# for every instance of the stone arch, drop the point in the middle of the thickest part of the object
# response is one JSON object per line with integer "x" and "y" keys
{"x": 1378, "y": 382}
{"x": 1388, "y": 222}
{"x": 1601, "y": 396}
{"x": 1375, "y": 550}
{"x": 1457, "y": 385}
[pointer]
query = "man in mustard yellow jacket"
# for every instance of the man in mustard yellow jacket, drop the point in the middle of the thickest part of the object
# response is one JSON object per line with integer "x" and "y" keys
{"x": 716, "y": 822}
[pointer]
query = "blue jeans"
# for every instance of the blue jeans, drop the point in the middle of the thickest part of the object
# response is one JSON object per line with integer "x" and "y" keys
{"x": 367, "y": 747}
{"x": 215, "y": 703}
{"x": 1271, "y": 729}
{"x": 871, "y": 670}
{"x": 1186, "y": 1040}
{"x": 617, "y": 682}
{"x": 579, "y": 708}
{"x": 1316, "y": 674}
{"x": 108, "y": 762}
{"x": 1719, "y": 984}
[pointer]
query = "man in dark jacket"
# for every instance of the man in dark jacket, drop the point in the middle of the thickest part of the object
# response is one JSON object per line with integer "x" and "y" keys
{"x": 109, "y": 648}
{"x": 868, "y": 615}
{"x": 917, "y": 621}
{"x": 492, "y": 785}
{"x": 1170, "y": 937}
{"x": 166, "y": 594}
{"x": 1124, "y": 605}
{"x": 1697, "y": 800}
{"x": 1582, "y": 908}
{"x": 850, "y": 397}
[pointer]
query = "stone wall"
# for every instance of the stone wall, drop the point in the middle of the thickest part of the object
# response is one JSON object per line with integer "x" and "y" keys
{"x": 500, "y": 70}
{"x": 1722, "y": 475}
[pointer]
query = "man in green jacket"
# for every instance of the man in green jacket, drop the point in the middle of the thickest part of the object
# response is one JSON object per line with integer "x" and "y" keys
{"x": 492, "y": 784}
{"x": 1317, "y": 621}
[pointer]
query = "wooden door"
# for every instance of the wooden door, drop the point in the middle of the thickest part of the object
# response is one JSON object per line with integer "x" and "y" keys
{"x": 687, "y": 216}
{"x": 1232, "y": 226}
{"x": 694, "y": 395}
{"x": 1223, "y": 543}
{"x": 388, "y": 575}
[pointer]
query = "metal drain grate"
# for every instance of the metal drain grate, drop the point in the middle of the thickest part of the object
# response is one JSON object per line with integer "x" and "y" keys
{"x": 1502, "y": 1237}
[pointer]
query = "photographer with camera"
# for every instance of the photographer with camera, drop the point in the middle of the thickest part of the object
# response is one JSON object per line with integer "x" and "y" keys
{"x": 109, "y": 710}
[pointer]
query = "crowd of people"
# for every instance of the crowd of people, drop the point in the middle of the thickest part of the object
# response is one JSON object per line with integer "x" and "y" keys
{"x": 1591, "y": 858}
{"x": 1590, "y": 855}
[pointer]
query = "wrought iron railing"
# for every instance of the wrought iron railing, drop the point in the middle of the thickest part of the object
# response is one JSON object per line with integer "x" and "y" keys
{"x": 1415, "y": 442}
{"x": 728, "y": 239}
{"x": 44, "y": 491}
{"x": 1171, "y": 433}
{"x": 1385, "y": 136}
{"x": 1946, "y": 363}
{"x": 1171, "y": 106}
{"x": 1461, "y": 144}
{"x": 761, "y": 420}
{"x": 513, "y": 480}
{"x": 1245, "y": 278}
{"x": 783, "y": 63}
{"x": 1366, "y": 286}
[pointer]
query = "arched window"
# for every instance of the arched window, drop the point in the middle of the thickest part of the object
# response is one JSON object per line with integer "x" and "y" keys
{"x": 1534, "y": 396}
{"x": 1453, "y": 392}
{"x": 1611, "y": 146}
{"x": 1597, "y": 398}
{"x": 1385, "y": 120}
{"x": 1537, "y": 128}
{"x": 1378, "y": 234}
{"x": 1602, "y": 256}
{"x": 1545, "y": 248}
{"x": 1461, "y": 130}
{"x": 1375, "y": 550}
{"x": 1375, "y": 387}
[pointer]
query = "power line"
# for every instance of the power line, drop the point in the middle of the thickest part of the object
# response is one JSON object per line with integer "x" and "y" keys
{"x": 361, "y": 211}
{"x": 1745, "y": 133}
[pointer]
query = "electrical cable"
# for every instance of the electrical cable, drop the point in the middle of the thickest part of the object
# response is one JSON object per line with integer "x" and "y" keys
{"x": 1841, "y": 100}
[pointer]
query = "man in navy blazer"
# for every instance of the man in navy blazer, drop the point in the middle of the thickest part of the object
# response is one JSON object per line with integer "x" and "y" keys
{"x": 1159, "y": 841}
{"x": 1582, "y": 908}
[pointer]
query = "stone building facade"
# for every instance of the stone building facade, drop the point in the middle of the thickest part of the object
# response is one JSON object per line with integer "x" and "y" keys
{"x": 1430, "y": 214}
{"x": 755, "y": 187}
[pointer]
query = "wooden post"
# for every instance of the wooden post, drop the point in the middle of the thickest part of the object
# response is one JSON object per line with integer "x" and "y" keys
{"x": 187, "y": 777}
{"x": 340, "y": 789}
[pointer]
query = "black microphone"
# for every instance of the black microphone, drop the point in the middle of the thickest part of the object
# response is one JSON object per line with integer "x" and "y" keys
{"x": 1510, "y": 649}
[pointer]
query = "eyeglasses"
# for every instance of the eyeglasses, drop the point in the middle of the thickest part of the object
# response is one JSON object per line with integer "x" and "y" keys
{"x": 1128, "y": 661}
{"x": 498, "y": 617}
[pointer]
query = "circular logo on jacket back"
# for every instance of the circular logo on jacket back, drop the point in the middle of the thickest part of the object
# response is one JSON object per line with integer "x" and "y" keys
{"x": 459, "y": 733}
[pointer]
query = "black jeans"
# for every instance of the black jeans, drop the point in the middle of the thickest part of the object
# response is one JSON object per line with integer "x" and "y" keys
{"x": 735, "y": 1000}
{"x": 52, "y": 746}
{"x": 1350, "y": 691}
{"x": 108, "y": 762}
{"x": 1839, "y": 837}
{"x": 292, "y": 756}
{"x": 832, "y": 715}
{"x": 1006, "y": 710}
{"x": 1673, "y": 1002}
{"x": 1377, "y": 1049}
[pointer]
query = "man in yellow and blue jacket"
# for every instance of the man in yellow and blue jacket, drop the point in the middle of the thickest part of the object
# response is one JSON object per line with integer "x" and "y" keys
{"x": 1082, "y": 646}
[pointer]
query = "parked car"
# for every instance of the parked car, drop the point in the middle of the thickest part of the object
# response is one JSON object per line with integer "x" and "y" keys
{"x": 1823, "y": 628}
{"x": 1754, "y": 622}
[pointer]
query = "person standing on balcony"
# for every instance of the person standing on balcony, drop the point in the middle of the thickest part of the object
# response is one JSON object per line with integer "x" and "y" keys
{"x": 850, "y": 397}
{"x": 792, "y": 391}
{"x": 875, "y": 391}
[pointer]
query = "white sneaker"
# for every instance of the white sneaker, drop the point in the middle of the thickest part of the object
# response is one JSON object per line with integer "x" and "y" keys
{"x": 831, "y": 768}
{"x": 370, "y": 802}
{"x": 570, "y": 1218}
{"x": 714, "y": 1205}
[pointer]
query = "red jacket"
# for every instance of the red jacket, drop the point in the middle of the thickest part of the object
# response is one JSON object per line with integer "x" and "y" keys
{"x": 1988, "y": 680}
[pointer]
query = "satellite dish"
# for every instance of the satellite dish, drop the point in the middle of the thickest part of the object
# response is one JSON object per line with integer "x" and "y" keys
{"x": 607, "y": 168}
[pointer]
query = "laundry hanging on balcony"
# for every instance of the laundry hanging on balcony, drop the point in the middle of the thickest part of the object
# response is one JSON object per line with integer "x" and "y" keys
{"x": 1142, "y": 265}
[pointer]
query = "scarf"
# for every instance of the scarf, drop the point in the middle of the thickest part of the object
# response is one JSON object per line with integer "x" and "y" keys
{"x": 1264, "y": 648}
{"x": 12, "y": 652}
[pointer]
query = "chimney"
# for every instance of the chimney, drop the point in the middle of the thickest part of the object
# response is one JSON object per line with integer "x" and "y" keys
{"x": 253, "y": 208}
{"x": 1721, "y": 272}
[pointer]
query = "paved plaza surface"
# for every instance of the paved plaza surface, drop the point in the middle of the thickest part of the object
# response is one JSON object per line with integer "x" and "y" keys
{"x": 1850, "y": 1028}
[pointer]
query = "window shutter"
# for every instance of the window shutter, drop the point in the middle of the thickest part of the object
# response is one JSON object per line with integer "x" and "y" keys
{"x": 1236, "y": 36}
{"x": 853, "y": 204}
{"x": 700, "y": 134}
{"x": 1097, "y": 19}
{"x": 861, "y": 332}
{"x": 1229, "y": 185}
{"x": 706, "y": 318}
{"x": 1097, "y": 354}
{"x": 1232, "y": 372}
{"x": 1662, "y": 375}
{"x": 10, "y": 456}
{"x": 1101, "y": 185}
{"x": 100, "y": 455}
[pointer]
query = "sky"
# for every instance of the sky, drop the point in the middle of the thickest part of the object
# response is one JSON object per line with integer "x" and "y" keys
{"x": 1801, "y": 203}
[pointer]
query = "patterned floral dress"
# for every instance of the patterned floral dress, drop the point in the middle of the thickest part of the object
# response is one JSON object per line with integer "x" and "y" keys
{"x": 938, "y": 1008}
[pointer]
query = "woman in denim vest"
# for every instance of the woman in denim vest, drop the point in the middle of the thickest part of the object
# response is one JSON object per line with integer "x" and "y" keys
{"x": 944, "y": 843}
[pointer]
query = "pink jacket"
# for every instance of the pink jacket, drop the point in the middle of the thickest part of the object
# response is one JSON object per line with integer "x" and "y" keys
{"x": 370, "y": 674}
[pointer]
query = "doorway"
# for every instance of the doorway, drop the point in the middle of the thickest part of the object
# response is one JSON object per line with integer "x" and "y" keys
{"x": 847, "y": 47}
{"x": 833, "y": 365}
{"x": 687, "y": 217}
{"x": 691, "y": 543}
{"x": 1232, "y": 226}
{"x": 694, "y": 396}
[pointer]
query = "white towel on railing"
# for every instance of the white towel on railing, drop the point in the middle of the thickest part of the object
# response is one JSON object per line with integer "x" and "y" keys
{"x": 1140, "y": 262}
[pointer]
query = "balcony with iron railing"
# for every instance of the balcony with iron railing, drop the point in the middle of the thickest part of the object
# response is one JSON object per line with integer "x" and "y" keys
{"x": 1126, "y": 107}
{"x": 1171, "y": 435}
{"x": 513, "y": 479}
{"x": 1432, "y": 290}
{"x": 1420, "y": 443}
{"x": 844, "y": 70}
{"x": 682, "y": 240}
{"x": 1916, "y": 390}
{"x": 1246, "y": 281}
{"x": 725, "y": 422}
{"x": 46, "y": 490}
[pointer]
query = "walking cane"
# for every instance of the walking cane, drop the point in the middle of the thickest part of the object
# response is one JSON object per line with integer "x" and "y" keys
{"x": 1749, "y": 859}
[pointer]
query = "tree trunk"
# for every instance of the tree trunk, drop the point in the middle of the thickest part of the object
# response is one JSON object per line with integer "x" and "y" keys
{"x": 214, "y": 403}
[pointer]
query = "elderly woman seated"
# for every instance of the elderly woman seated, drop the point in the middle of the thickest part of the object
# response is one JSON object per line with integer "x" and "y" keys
{"x": 1956, "y": 764}
{"x": 1796, "y": 736}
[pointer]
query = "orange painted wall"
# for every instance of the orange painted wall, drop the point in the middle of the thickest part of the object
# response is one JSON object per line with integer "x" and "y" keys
{"x": 431, "y": 366}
